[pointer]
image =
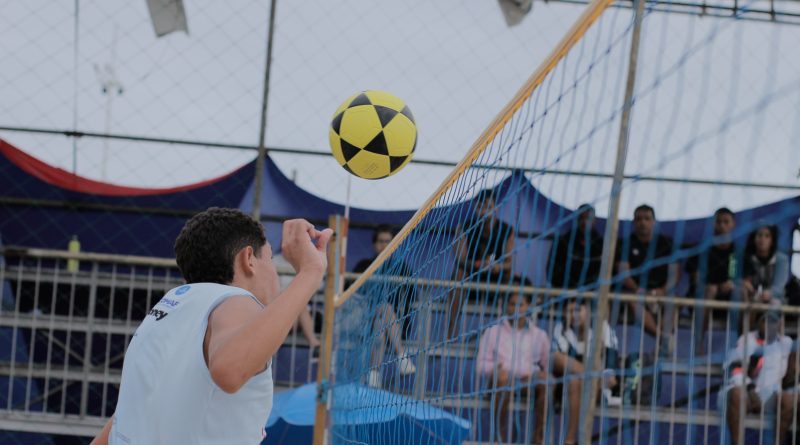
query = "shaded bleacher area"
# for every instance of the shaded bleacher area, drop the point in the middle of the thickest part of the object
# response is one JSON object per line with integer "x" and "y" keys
{"x": 686, "y": 407}
{"x": 63, "y": 336}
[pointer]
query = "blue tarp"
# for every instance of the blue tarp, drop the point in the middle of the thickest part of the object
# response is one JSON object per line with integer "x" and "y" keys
{"x": 389, "y": 419}
{"x": 39, "y": 207}
{"x": 143, "y": 225}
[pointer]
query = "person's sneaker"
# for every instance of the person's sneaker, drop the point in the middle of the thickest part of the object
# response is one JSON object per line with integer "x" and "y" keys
{"x": 406, "y": 366}
{"x": 374, "y": 378}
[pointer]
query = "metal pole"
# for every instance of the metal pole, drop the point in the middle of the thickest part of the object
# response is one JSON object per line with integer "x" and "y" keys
{"x": 75, "y": 88}
{"x": 334, "y": 282}
{"x": 262, "y": 149}
{"x": 597, "y": 352}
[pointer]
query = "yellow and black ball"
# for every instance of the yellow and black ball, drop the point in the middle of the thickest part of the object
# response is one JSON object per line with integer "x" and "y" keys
{"x": 373, "y": 134}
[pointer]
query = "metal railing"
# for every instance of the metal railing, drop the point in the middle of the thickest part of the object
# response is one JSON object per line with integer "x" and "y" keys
{"x": 690, "y": 398}
{"x": 64, "y": 329}
{"x": 65, "y": 322}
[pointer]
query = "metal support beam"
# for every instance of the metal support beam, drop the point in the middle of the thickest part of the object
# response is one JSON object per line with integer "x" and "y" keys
{"x": 416, "y": 161}
{"x": 596, "y": 350}
{"x": 262, "y": 131}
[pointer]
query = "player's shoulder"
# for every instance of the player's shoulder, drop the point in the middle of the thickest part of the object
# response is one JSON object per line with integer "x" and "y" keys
{"x": 236, "y": 307}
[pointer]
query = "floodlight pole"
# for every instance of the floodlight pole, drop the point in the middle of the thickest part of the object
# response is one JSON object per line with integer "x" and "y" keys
{"x": 597, "y": 351}
{"x": 262, "y": 148}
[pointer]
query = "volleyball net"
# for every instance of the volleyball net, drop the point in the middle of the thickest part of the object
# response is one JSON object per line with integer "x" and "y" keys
{"x": 615, "y": 179}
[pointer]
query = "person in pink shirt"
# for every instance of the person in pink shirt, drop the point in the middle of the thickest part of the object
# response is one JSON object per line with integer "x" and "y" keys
{"x": 513, "y": 355}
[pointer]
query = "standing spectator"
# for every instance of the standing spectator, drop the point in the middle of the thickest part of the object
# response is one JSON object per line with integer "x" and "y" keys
{"x": 715, "y": 269}
{"x": 515, "y": 354}
{"x": 758, "y": 381}
{"x": 577, "y": 253}
{"x": 483, "y": 254}
{"x": 387, "y": 313}
{"x": 643, "y": 247}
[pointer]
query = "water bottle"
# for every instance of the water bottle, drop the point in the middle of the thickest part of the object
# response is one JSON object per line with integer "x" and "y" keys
{"x": 732, "y": 266}
{"x": 74, "y": 246}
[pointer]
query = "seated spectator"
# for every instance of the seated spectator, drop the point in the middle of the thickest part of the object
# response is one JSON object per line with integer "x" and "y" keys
{"x": 483, "y": 254}
{"x": 642, "y": 248}
{"x": 715, "y": 269}
{"x": 759, "y": 382}
{"x": 386, "y": 319}
{"x": 766, "y": 270}
{"x": 577, "y": 253}
{"x": 514, "y": 355}
{"x": 304, "y": 319}
{"x": 572, "y": 335}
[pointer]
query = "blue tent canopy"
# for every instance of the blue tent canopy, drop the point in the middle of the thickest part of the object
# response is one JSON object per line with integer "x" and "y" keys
{"x": 43, "y": 206}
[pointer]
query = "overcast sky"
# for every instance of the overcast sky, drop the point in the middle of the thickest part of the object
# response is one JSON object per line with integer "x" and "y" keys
{"x": 716, "y": 99}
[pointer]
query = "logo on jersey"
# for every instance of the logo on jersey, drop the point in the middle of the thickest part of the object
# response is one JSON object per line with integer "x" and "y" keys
{"x": 169, "y": 302}
{"x": 182, "y": 290}
{"x": 159, "y": 314}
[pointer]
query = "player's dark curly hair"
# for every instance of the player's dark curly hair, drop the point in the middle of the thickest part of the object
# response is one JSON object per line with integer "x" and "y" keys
{"x": 210, "y": 240}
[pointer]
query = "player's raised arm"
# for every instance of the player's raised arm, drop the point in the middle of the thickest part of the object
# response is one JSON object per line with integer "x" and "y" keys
{"x": 242, "y": 335}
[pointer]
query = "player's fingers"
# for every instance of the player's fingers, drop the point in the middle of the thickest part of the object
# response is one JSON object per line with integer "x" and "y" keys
{"x": 300, "y": 225}
{"x": 313, "y": 232}
{"x": 294, "y": 228}
{"x": 324, "y": 237}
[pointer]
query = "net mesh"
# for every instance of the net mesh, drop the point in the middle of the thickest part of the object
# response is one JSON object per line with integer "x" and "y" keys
{"x": 489, "y": 291}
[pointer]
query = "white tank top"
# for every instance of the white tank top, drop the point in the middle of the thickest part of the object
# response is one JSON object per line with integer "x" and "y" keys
{"x": 167, "y": 395}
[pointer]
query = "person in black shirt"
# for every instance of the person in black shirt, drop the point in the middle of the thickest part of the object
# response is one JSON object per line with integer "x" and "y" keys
{"x": 715, "y": 269}
{"x": 483, "y": 255}
{"x": 401, "y": 301}
{"x": 639, "y": 251}
{"x": 576, "y": 255}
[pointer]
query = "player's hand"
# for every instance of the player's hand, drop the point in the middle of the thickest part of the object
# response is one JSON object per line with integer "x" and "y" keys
{"x": 304, "y": 247}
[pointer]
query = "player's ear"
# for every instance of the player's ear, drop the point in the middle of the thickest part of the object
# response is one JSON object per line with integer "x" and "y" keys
{"x": 245, "y": 261}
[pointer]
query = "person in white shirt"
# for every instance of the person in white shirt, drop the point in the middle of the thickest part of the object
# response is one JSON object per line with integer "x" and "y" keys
{"x": 759, "y": 382}
{"x": 573, "y": 336}
{"x": 198, "y": 369}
